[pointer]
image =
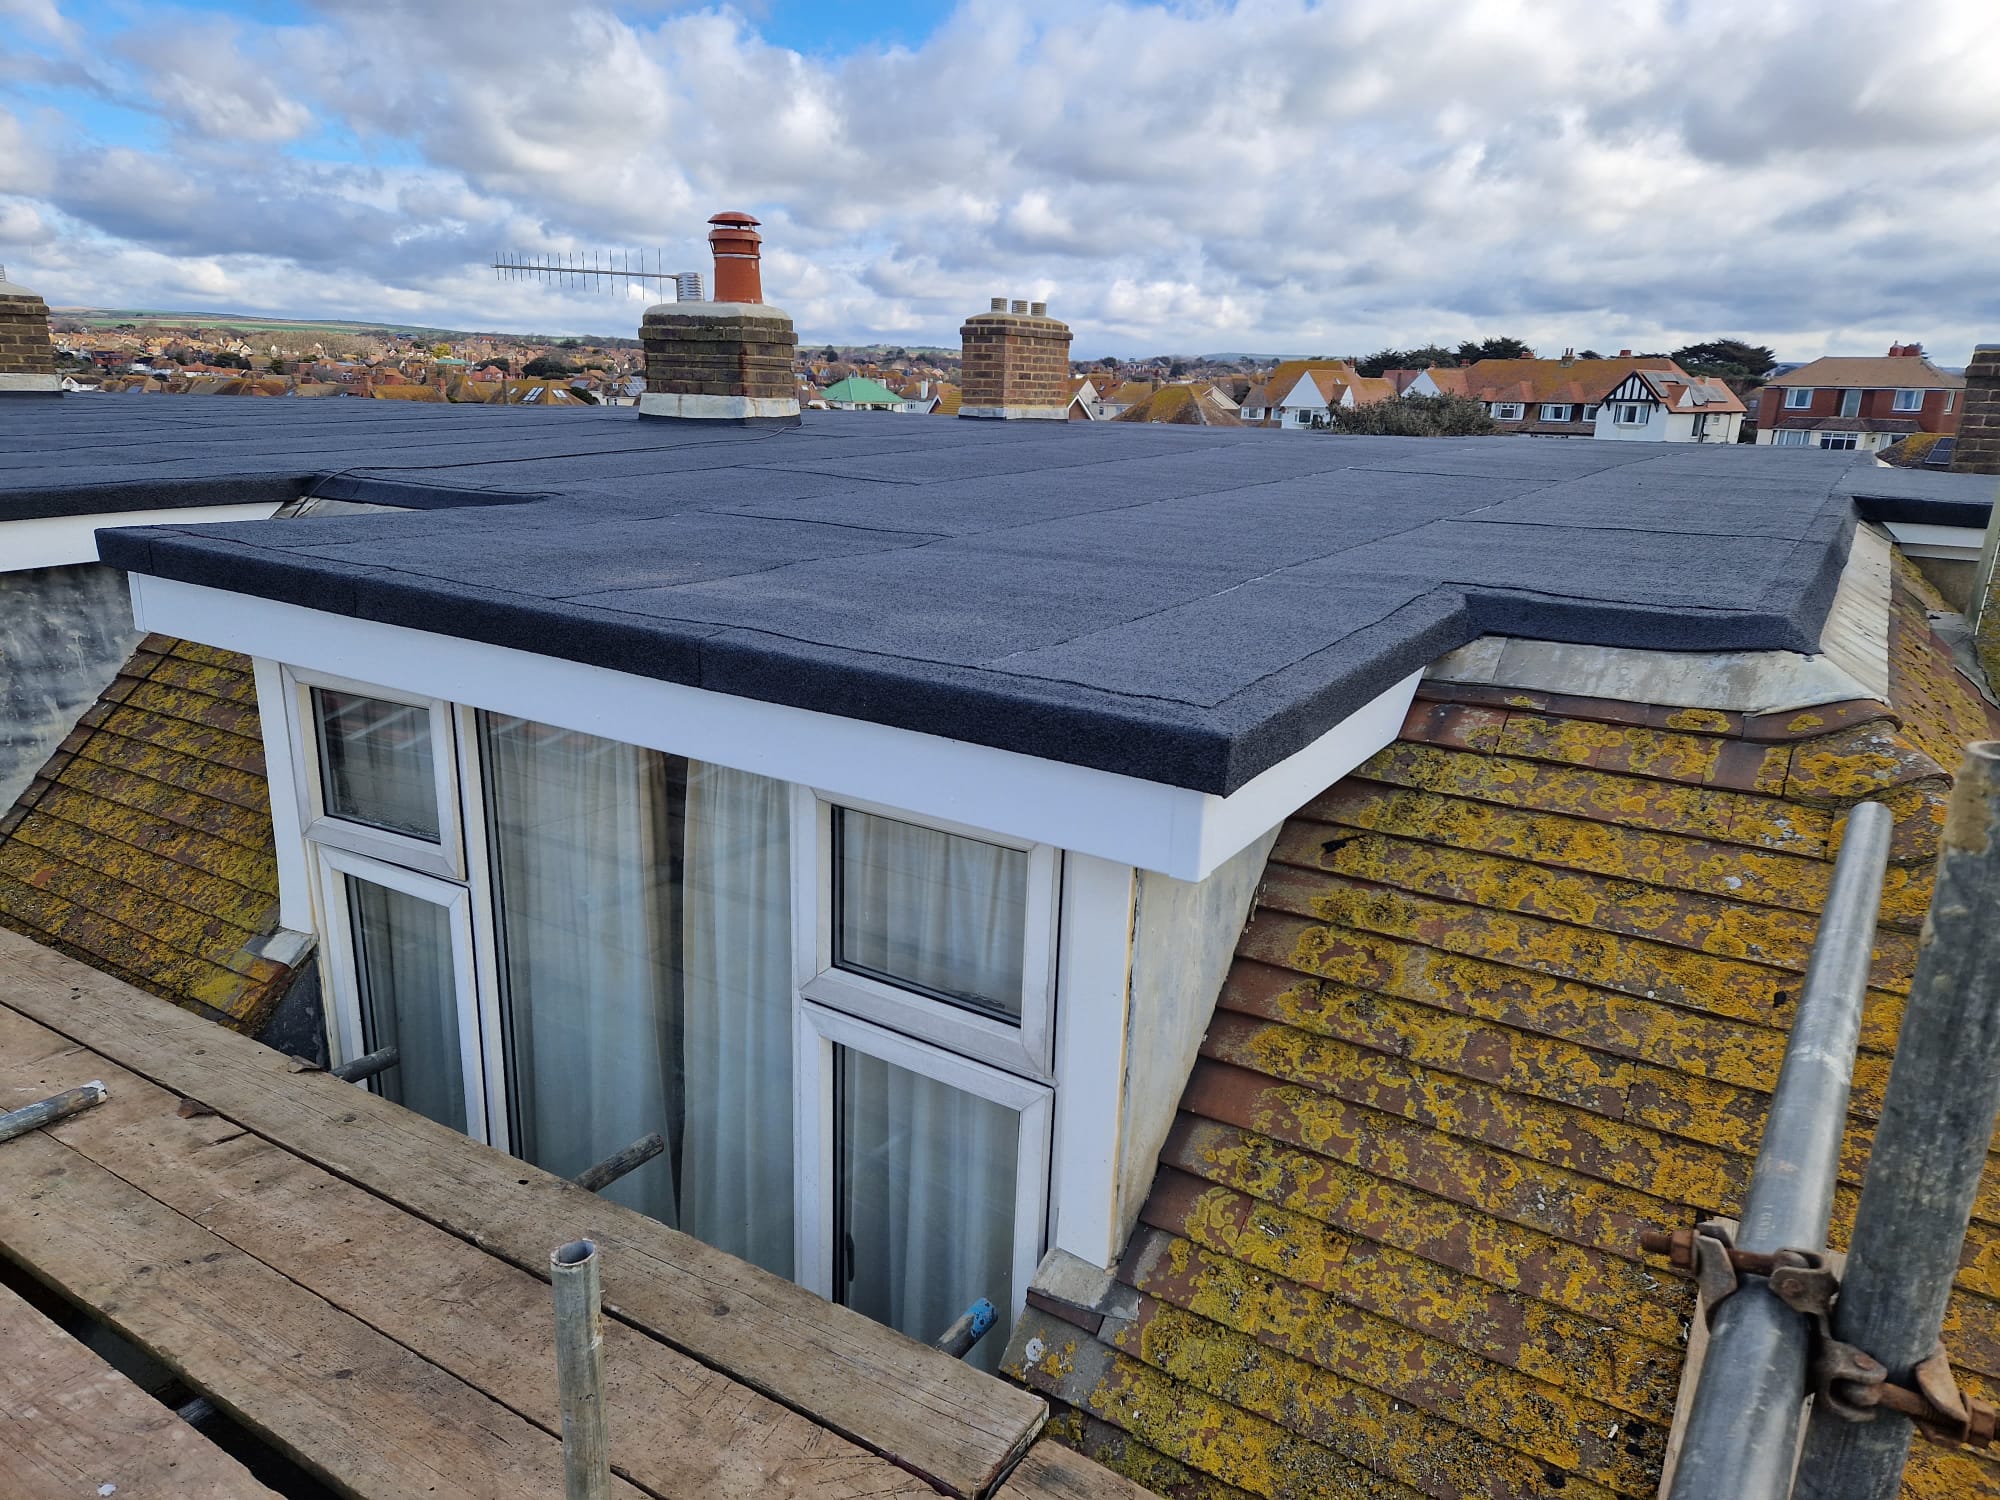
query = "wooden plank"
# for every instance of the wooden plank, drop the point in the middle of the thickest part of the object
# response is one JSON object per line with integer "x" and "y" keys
{"x": 677, "y": 1427}
{"x": 936, "y": 1416}
{"x": 73, "y": 1428}
{"x": 1053, "y": 1472}
{"x": 373, "y": 1419}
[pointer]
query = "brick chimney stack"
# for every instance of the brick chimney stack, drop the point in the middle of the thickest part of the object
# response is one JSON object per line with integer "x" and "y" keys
{"x": 27, "y": 358}
{"x": 1977, "y": 450}
{"x": 729, "y": 360}
{"x": 1015, "y": 364}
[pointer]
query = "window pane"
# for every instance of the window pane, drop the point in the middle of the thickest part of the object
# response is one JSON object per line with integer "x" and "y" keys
{"x": 409, "y": 998}
{"x": 931, "y": 911}
{"x": 924, "y": 1203}
{"x": 644, "y": 921}
{"x": 375, "y": 762}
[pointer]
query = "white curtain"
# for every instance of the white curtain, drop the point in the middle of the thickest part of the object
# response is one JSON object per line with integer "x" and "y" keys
{"x": 736, "y": 1163}
{"x": 581, "y": 830}
{"x": 933, "y": 910}
{"x": 926, "y": 1201}
{"x": 409, "y": 998}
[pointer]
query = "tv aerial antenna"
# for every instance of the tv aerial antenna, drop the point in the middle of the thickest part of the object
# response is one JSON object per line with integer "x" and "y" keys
{"x": 615, "y": 271}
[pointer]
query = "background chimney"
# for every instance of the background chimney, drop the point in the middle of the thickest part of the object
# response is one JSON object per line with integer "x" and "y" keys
{"x": 27, "y": 358}
{"x": 1015, "y": 364}
{"x": 729, "y": 360}
{"x": 1977, "y": 450}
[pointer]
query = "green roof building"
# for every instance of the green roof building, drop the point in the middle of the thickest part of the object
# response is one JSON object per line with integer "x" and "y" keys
{"x": 854, "y": 393}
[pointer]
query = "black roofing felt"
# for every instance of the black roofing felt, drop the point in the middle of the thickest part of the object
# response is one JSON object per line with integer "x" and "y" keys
{"x": 1186, "y": 605}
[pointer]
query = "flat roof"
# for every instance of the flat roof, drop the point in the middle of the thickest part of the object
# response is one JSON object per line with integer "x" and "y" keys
{"x": 1184, "y": 605}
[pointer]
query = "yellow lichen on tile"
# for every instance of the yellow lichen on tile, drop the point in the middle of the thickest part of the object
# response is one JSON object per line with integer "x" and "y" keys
{"x": 1514, "y": 991}
{"x": 144, "y": 847}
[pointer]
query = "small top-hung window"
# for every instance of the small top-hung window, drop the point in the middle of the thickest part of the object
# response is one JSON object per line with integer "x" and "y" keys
{"x": 930, "y": 911}
{"x": 376, "y": 762}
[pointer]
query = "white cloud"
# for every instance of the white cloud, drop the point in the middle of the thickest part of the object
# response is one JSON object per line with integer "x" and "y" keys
{"x": 1278, "y": 175}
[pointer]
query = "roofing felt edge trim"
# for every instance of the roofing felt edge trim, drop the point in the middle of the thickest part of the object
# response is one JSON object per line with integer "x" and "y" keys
{"x": 1207, "y": 749}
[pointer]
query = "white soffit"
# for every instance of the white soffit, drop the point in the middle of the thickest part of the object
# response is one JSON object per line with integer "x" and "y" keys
{"x": 57, "y": 541}
{"x": 1167, "y": 829}
{"x": 1925, "y": 539}
{"x": 1852, "y": 662}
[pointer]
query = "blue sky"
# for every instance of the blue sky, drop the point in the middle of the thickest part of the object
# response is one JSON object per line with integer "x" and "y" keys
{"x": 1282, "y": 176}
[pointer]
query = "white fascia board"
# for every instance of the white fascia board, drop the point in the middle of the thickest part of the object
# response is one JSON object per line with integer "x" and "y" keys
{"x": 1146, "y": 824}
{"x": 58, "y": 541}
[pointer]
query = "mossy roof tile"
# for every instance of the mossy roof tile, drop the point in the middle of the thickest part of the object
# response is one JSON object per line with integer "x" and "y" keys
{"x": 1515, "y": 989}
{"x": 144, "y": 846}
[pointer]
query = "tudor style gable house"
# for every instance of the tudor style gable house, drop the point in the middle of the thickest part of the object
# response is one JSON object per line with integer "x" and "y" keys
{"x": 1659, "y": 401}
{"x": 1659, "y": 406}
{"x": 1859, "y": 403}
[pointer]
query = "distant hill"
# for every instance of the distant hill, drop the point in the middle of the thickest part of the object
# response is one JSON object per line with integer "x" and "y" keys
{"x": 246, "y": 324}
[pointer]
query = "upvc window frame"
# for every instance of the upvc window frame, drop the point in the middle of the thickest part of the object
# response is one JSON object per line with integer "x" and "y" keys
{"x": 1556, "y": 411}
{"x": 1839, "y": 442}
{"x": 446, "y": 857}
{"x": 1629, "y": 414}
{"x": 1850, "y": 402}
{"x": 1798, "y": 397}
{"x": 1027, "y": 1049}
{"x": 1508, "y": 411}
{"x": 1590, "y": 410}
{"x": 1915, "y": 401}
{"x": 818, "y": 1030}
{"x": 334, "y": 868}
{"x": 1792, "y": 437}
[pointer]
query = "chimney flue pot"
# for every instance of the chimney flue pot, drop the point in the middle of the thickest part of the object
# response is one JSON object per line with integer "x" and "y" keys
{"x": 738, "y": 254}
{"x": 999, "y": 304}
{"x": 1039, "y": 309}
{"x": 1020, "y": 306}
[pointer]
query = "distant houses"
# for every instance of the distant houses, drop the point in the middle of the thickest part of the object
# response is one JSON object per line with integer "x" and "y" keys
{"x": 1859, "y": 403}
{"x": 1632, "y": 398}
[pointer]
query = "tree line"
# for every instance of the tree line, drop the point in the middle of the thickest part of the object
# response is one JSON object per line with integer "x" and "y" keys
{"x": 1723, "y": 358}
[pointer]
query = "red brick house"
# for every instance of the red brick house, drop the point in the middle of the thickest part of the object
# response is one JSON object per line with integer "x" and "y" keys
{"x": 1859, "y": 403}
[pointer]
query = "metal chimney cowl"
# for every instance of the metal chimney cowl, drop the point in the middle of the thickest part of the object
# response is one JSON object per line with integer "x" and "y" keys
{"x": 729, "y": 360}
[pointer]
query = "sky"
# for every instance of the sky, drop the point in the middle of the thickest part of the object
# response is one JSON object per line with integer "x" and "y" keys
{"x": 1284, "y": 178}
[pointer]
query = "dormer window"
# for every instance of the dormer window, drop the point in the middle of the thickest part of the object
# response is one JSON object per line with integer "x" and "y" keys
{"x": 1909, "y": 401}
{"x": 1507, "y": 411}
{"x": 1554, "y": 412}
{"x": 1798, "y": 397}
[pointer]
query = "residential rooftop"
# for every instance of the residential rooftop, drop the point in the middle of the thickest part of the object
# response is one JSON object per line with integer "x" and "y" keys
{"x": 1184, "y": 606}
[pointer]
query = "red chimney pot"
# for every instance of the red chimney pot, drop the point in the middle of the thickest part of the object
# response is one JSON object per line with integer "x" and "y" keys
{"x": 737, "y": 255}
